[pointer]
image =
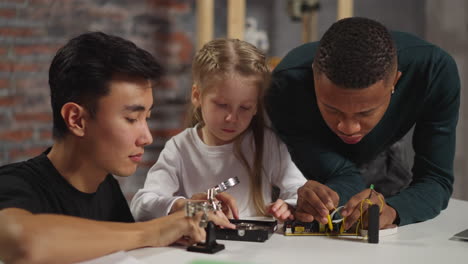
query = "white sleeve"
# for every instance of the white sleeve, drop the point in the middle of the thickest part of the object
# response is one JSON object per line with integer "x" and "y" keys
{"x": 162, "y": 183}
{"x": 284, "y": 173}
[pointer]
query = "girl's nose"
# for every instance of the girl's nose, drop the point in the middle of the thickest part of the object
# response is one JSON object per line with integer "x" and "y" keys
{"x": 231, "y": 117}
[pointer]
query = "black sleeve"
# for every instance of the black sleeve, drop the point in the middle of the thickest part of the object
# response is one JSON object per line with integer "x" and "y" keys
{"x": 434, "y": 145}
{"x": 15, "y": 192}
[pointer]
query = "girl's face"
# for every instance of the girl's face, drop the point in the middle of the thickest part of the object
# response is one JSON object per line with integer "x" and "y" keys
{"x": 227, "y": 107}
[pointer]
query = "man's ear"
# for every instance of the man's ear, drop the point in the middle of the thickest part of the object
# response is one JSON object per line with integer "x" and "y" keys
{"x": 397, "y": 77}
{"x": 74, "y": 115}
{"x": 196, "y": 98}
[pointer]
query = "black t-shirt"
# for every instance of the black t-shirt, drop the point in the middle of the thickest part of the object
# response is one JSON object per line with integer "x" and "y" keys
{"x": 35, "y": 185}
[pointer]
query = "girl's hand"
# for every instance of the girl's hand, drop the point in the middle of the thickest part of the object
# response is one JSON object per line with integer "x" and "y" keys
{"x": 281, "y": 210}
{"x": 228, "y": 205}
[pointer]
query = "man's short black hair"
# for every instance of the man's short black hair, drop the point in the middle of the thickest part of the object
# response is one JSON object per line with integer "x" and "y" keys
{"x": 356, "y": 53}
{"x": 82, "y": 69}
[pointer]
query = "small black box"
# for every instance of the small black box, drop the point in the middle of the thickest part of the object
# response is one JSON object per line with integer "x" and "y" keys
{"x": 248, "y": 230}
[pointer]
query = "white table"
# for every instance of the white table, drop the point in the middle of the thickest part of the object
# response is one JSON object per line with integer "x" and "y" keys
{"x": 427, "y": 242}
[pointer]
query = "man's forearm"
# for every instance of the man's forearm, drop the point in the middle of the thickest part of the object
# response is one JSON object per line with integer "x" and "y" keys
{"x": 10, "y": 247}
{"x": 49, "y": 238}
{"x": 413, "y": 205}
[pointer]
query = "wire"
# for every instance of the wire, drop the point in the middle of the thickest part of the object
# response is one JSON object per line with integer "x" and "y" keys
{"x": 359, "y": 224}
{"x": 369, "y": 202}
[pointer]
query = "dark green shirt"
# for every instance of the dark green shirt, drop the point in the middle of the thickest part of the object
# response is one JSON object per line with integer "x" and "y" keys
{"x": 426, "y": 96}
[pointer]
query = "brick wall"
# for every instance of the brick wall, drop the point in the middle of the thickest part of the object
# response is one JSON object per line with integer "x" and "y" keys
{"x": 31, "y": 31}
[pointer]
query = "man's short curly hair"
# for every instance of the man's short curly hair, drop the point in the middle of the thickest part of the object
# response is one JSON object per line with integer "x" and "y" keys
{"x": 356, "y": 53}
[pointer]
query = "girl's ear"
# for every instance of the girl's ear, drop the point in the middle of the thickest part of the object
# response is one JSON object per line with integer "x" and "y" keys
{"x": 196, "y": 98}
{"x": 73, "y": 115}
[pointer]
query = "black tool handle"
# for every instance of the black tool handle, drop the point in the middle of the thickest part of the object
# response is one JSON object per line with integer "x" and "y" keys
{"x": 373, "y": 224}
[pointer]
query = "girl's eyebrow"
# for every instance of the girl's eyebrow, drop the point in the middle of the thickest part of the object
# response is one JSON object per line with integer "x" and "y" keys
{"x": 220, "y": 97}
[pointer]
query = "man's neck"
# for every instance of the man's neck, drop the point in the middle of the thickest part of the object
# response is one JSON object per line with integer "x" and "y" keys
{"x": 72, "y": 162}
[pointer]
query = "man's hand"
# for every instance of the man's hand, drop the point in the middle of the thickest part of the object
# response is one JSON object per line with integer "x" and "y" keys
{"x": 181, "y": 229}
{"x": 352, "y": 209}
{"x": 280, "y": 210}
{"x": 315, "y": 201}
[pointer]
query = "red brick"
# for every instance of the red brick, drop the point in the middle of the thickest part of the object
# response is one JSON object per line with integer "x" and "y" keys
{"x": 26, "y": 67}
{"x": 4, "y": 83}
{"x": 5, "y": 66}
{"x": 26, "y": 153}
{"x": 30, "y": 83}
{"x": 45, "y": 135}
{"x": 180, "y": 39}
{"x": 14, "y": 1}
{"x": 42, "y": 13}
{"x": 3, "y": 51}
{"x": 16, "y": 135}
{"x": 4, "y": 119}
{"x": 8, "y": 100}
{"x": 167, "y": 83}
{"x": 7, "y": 13}
{"x": 168, "y": 133}
{"x": 178, "y": 5}
{"x": 8, "y": 66}
{"x": 36, "y": 117}
{"x": 41, "y": 2}
{"x": 16, "y": 32}
{"x": 34, "y": 49}
{"x": 107, "y": 14}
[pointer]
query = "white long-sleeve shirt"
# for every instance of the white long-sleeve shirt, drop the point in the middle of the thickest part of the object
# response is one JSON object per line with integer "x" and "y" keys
{"x": 187, "y": 166}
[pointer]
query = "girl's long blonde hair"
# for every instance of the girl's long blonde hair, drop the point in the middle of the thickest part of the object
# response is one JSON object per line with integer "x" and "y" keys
{"x": 219, "y": 59}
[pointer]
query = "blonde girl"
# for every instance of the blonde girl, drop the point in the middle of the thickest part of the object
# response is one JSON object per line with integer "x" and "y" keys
{"x": 227, "y": 137}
